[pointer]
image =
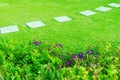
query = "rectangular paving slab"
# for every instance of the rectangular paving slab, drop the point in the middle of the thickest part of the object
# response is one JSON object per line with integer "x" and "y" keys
{"x": 103, "y": 9}
{"x": 35, "y": 24}
{"x": 63, "y": 19}
{"x": 9, "y": 29}
{"x": 87, "y": 13}
{"x": 114, "y": 5}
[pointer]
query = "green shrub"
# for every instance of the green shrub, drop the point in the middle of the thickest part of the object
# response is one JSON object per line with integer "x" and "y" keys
{"x": 39, "y": 61}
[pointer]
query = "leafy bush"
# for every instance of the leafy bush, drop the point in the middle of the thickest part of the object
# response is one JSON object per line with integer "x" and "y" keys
{"x": 38, "y": 61}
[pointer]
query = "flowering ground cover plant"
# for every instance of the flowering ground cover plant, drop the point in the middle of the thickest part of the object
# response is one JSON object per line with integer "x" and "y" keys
{"x": 36, "y": 60}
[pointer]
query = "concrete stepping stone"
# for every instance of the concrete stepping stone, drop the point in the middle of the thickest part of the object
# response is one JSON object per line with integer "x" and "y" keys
{"x": 9, "y": 29}
{"x": 103, "y": 9}
{"x": 87, "y": 13}
{"x": 62, "y": 19}
{"x": 35, "y": 24}
{"x": 114, "y": 5}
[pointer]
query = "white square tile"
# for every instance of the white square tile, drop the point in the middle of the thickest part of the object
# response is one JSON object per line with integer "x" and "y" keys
{"x": 87, "y": 13}
{"x": 103, "y": 9}
{"x": 63, "y": 19}
{"x": 114, "y": 5}
{"x": 35, "y": 24}
{"x": 9, "y": 29}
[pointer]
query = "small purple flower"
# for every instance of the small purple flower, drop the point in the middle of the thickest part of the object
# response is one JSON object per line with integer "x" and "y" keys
{"x": 67, "y": 63}
{"x": 89, "y": 52}
{"x": 74, "y": 57}
{"x": 36, "y": 43}
{"x": 80, "y": 55}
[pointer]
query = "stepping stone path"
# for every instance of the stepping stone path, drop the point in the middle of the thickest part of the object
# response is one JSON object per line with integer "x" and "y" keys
{"x": 63, "y": 19}
{"x": 35, "y": 24}
{"x": 9, "y": 29}
{"x": 87, "y": 13}
{"x": 103, "y": 9}
{"x": 114, "y": 5}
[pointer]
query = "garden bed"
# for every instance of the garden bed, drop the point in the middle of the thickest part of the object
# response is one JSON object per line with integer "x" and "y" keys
{"x": 37, "y": 60}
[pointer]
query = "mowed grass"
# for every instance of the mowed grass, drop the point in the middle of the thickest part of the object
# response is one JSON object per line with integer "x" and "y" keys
{"x": 74, "y": 35}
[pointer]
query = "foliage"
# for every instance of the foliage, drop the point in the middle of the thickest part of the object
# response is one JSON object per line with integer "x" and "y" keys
{"x": 42, "y": 61}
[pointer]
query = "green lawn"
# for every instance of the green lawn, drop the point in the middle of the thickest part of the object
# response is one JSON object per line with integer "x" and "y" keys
{"x": 74, "y": 35}
{"x": 23, "y": 60}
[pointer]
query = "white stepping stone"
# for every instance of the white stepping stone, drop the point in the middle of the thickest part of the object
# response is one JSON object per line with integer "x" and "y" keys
{"x": 87, "y": 13}
{"x": 35, "y": 24}
{"x": 9, "y": 29}
{"x": 103, "y": 9}
{"x": 114, "y": 5}
{"x": 63, "y": 19}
